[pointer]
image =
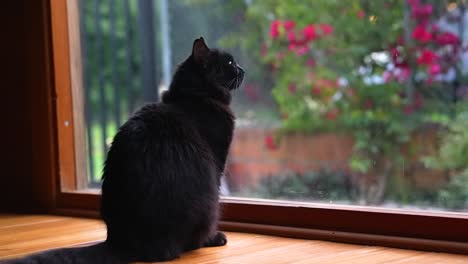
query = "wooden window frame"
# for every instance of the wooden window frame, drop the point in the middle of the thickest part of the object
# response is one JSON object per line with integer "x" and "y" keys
{"x": 421, "y": 230}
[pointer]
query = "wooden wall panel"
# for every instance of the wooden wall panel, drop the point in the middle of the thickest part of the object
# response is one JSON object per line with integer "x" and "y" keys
{"x": 28, "y": 163}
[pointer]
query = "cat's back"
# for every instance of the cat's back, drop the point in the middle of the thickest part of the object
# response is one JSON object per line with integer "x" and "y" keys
{"x": 152, "y": 146}
{"x": 157, "y": 159}
{"x": 159, "y": 120}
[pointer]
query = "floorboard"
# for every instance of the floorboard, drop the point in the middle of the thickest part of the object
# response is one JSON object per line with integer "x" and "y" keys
{"x": 25, "y": 234}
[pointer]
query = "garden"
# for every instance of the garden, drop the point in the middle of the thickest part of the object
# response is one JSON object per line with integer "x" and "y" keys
{"x": 353, "y": 102}
{"x": 390, "y": 75}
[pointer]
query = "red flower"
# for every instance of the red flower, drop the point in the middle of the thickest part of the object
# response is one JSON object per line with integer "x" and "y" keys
{"x": 395, "y": 53}
{"x": 326, "y": 29}
{"x": 316, "y": 90}
{"x": 309, "y": 32}
{"x": 368, "y": 104}
{"x": 421, "y": 34}
{"x": 270, "y": 143}
{"x": 408, "y": 109}
{"x": 447, "y": 38}
{"x": 289, "y": 24}
{"x": 434, "y": 69}
{"x": 292, "y": 88}
{"x": 360, "y": 14}
{"x": 427, "y": 57}
{"x": 332, "y": 114}
{"x": 274, "y": 29}
{"x": 310, "y": 62}
{"x": 400, "y": 40}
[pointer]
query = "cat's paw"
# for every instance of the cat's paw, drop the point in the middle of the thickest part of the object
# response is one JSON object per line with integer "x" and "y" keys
{"x": 219, "y": 239}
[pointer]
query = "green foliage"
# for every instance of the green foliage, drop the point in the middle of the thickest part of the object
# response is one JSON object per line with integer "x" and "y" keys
{"x": 455, "y": 194}
{"x": 331, "y": 85}
{"x": 453, "y": 157}
{"x": 453, "y": 152}
{"x": 325, "y": 185}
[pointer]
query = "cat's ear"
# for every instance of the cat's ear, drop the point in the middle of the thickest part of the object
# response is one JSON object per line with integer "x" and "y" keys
{"x": 200, "y": 50}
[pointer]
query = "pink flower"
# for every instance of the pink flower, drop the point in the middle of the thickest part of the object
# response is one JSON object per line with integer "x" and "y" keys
{"x": 434, "y": 69}
{"x": 292, "y": 46}
{"x": 310, "y": 62}
{"x": 274, "y": 29}
{"x": 302, "y": 50}
{"x": 387, "y": 76}
{"x": 447, "y": 38}
{"x": 289, "y": 25}
{"x": 292, "y": 88}
{"x": 360, "y": 14}
{"x": 413, "y": 2}
{"x": 280, "y": 55}
{"x": 291, "y": 37}
{"x": 402, "y": 73}
{"x": 421, "y": 12}
{"x": 427, "y": 57}
{"x": 326, "y": 29}
{"x": 421, "y": 34}
{"x": 309, "y": 32}
{"x": 270, "y": 143}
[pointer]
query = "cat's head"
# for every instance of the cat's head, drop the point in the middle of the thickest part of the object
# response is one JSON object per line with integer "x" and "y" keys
{"x": 209, "y": 73}
{"x": 217, "y": 66}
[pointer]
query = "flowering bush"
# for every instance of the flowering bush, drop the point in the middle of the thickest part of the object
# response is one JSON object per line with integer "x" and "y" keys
{"x": 362, "y": 68}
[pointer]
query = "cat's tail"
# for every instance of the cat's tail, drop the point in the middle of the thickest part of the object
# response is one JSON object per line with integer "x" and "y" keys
{"x": 94, "y": 254}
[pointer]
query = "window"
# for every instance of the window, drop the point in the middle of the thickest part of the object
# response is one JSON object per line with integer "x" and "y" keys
{"x": 364, "y": 108}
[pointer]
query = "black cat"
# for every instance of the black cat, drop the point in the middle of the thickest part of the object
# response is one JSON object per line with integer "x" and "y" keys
{"x": 162, "y": 173}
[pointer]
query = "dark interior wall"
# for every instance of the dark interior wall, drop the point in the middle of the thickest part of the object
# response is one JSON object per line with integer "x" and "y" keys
{"x": 26, "y": 116}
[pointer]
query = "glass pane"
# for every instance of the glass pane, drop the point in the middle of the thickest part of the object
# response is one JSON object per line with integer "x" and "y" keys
{"x": 351, "y": 102}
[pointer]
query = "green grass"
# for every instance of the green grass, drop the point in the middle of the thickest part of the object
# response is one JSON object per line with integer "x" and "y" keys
{"x": 98, "y": 154}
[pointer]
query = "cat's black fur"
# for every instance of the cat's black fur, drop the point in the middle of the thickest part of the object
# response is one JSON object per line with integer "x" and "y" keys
{"x": 162, "y": 173}
{"x": 161, "y": 177}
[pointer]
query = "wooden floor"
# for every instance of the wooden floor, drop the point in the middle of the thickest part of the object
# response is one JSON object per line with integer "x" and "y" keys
{"x": 20, "y": 235}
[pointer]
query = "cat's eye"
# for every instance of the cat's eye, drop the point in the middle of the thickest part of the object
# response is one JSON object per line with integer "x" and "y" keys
{"x": 230, "y": 62}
